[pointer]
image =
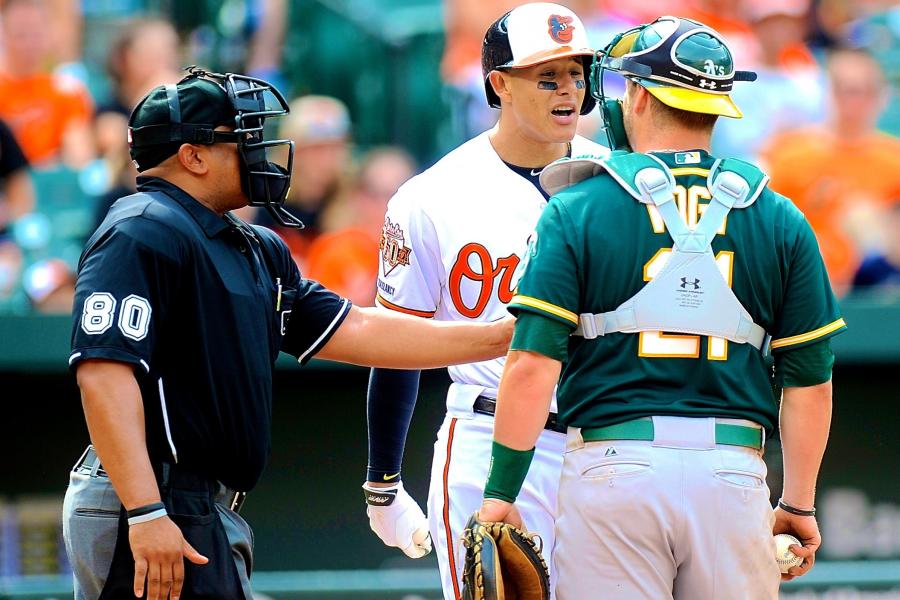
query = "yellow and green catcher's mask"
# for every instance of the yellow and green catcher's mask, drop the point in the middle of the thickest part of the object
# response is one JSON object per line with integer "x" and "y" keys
{"x": 683, "y": 63}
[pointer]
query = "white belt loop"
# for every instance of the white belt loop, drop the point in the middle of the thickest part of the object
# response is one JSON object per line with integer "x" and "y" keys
{"x": 574, "y": 440}
{"x": 96, "y": 466}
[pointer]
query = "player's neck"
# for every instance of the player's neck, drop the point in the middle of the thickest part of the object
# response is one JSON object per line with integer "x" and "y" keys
{"x": 522, "y": 151}
{"x": 671, "y": 140}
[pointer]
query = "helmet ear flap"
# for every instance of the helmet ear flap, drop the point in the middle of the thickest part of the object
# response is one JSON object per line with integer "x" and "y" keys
{"x": 493, "y": 99}
{"x": 495, "y": 51}
{"x": 588, "y": 104}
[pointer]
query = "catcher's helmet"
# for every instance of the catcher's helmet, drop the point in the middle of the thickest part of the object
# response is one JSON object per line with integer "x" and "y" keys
{"x": 532, "y": 34}
{"x": 683, "y": 63}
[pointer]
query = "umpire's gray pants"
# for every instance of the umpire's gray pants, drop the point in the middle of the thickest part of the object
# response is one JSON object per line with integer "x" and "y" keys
{"x": 680, "y": 517}
{"x": 90, "y": 524}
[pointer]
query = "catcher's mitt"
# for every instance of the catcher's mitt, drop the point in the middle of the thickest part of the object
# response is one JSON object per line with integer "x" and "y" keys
{"x": 503, "y": 563}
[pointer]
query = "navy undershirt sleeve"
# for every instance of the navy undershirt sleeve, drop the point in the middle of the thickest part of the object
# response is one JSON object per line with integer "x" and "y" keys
{"x": 391, "y": 400}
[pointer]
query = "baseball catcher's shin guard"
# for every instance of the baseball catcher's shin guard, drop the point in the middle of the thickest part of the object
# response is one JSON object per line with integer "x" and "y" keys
{"x": 503, "y": 563}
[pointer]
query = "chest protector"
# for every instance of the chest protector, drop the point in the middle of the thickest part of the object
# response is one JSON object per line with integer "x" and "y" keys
{"x": 689, "y": 294}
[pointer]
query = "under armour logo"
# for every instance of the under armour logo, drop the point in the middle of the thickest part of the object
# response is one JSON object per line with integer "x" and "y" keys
{"x": 695, "y": 284}
{"x": 707, "y": 84}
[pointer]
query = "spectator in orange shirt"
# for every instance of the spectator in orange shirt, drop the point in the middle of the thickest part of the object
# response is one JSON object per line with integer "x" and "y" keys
{"x": 346, "y": 260}
{"x": 48, "y": 113}
{"x": 845, "y": 174}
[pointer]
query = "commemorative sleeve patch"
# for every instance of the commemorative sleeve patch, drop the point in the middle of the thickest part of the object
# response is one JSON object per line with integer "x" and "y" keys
{"x": 392, "y": 247}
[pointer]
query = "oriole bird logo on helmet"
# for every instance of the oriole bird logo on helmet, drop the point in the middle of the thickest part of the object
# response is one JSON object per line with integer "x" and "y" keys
{"x": 561, "y": 29}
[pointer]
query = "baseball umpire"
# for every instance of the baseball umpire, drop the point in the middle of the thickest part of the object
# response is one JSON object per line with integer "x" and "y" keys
{"x": 463, "y": 237}
{"x": 656, "y": 287}
{"x": 180, "y": 312}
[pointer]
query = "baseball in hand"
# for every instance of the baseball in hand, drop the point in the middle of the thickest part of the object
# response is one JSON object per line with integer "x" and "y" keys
{"x": 785, "y": 558}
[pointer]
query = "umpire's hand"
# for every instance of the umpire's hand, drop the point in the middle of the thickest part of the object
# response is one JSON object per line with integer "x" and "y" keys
{"x": 159, "y": 551}
{"x": 805, "y": 529}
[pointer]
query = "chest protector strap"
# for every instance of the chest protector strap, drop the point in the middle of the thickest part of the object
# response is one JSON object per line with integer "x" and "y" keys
{"x": 689, "y": 294}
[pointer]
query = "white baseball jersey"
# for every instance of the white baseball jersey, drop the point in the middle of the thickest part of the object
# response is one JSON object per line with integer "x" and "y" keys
{"x": 452, "y": 239}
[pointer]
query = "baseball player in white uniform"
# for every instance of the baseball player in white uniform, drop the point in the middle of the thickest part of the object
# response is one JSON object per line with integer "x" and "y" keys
{"x": 453, "y": 237}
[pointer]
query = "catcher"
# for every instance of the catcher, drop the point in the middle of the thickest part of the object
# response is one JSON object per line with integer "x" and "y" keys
{"x": 659, "y": 286}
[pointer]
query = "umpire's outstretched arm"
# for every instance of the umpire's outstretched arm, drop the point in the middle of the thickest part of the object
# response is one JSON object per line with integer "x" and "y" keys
{"x": 378, "y": 338}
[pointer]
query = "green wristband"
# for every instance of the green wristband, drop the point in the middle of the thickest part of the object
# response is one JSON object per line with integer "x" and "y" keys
{"x": 507, "y": 472}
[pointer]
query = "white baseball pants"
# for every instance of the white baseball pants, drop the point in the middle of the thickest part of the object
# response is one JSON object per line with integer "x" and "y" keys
{"x": 675, "y": 518}
{"x": 462, "y": 454}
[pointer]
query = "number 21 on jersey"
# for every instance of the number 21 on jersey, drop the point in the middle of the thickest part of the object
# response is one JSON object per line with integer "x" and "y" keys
{"x": 656, "y": 344}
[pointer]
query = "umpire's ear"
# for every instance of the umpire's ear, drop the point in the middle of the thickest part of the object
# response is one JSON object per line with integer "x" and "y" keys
{"x": 500, "y": 82}
{"x": 193, "y": 158}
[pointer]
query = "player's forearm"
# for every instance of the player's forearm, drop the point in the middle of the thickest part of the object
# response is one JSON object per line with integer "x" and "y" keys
{"x": 523, "y": 401}
{"x": 805, "y": 423}
{"x": 115, "y": 419}
{"x": 390, "y": 403}
{"x": 379, "y": 338}
{"x": 526, "y": 388}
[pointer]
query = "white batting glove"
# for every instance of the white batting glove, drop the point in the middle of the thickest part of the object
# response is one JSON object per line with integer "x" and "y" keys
{"x": 397, "y": 519}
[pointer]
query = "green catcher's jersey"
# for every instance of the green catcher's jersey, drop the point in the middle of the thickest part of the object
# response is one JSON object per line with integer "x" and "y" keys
{"x": 595, "y": 247}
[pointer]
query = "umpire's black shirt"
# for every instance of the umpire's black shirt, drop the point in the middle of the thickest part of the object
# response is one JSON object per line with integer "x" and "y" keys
{"x": 199, "y": 304}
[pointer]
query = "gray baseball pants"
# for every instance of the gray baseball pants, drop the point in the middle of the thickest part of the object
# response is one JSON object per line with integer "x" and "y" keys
{"x": 90, "y": 523}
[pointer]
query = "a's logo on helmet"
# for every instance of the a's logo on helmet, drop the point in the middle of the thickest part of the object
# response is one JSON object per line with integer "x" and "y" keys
{"x": 712, "y": 68}
{"x": 561, "y": 29}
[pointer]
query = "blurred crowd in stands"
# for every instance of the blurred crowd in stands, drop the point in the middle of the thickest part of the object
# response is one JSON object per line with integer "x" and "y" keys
{"x": 823, "y": 119}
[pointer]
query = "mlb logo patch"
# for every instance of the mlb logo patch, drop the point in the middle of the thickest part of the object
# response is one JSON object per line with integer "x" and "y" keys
{"x": 687, "y": 158}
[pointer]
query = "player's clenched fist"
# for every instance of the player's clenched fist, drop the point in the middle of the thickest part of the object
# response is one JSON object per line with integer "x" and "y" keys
{"x": 397, "y": 519}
